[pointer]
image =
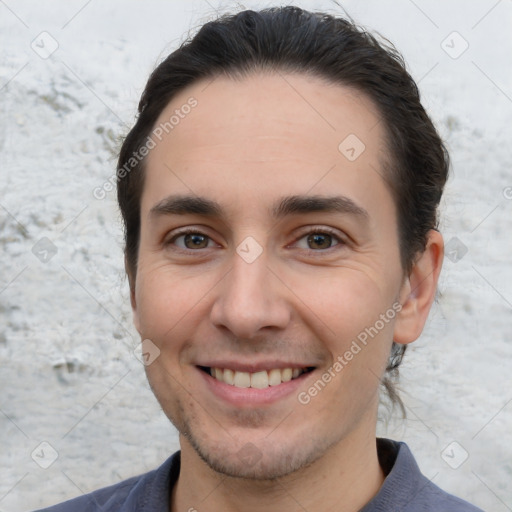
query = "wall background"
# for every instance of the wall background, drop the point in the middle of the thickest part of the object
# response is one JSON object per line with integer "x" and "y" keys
{"x": 68, "y": 374}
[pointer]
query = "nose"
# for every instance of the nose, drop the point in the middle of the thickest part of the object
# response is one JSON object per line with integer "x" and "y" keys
{"x": 251, "y": 297}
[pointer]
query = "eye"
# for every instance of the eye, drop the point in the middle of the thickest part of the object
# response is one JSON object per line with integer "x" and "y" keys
{"x": 319, "y": 239}
{"x": 190, "y": 240}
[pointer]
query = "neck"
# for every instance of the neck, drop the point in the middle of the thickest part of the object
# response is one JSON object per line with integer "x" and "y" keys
{"x": 344, "y": 479}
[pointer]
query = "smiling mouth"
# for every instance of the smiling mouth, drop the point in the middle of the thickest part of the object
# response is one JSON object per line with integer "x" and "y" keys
{"x": 258, "y": 380}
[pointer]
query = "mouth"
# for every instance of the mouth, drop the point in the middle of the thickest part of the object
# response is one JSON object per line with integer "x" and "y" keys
{"x": 257, "y": 380}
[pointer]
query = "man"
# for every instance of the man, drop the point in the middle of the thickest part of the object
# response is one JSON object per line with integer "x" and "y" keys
{"x": 279, "y": 192}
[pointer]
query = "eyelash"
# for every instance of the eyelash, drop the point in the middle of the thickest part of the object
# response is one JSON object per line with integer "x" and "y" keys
{"x": 313, "y": 231}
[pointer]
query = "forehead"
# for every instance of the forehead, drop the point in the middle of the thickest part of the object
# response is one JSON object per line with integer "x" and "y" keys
{"x": 269, "y": 133}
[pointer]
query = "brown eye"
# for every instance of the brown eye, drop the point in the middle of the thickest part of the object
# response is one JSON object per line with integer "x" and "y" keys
{"x": 319, "y": 241}
{"x": 190, "y": 240}
{"x": 195, "y": 241}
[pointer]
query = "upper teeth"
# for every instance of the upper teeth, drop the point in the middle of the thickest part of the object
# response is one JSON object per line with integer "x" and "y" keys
{"x": 258, "y": 380}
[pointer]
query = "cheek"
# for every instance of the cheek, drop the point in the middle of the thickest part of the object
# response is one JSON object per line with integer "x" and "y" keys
{"x": 353, "y": 316}
{"x": 346, "y": 301}
{"x": 169, "y": 302}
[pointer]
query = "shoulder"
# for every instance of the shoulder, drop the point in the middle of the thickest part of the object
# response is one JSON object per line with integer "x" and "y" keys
{"x": 105, "y": 499}
{"x": 149, "y": 491}
{"x": 407, "y": 489}
{"x": 431, "y": 498}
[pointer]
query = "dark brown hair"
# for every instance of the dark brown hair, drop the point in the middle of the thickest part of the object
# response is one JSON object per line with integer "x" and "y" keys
{"x": 290, "y": 39}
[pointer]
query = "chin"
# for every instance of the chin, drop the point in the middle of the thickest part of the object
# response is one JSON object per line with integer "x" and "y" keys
{"x": 261, "y": 459}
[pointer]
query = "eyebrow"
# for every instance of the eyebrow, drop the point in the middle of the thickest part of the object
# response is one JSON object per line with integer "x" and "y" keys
{"x": 286, "y": 206}
{"x": 310, "y": 204}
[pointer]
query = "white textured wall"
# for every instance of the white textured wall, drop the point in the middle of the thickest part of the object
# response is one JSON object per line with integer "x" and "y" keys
{"x": 68, "y": 376}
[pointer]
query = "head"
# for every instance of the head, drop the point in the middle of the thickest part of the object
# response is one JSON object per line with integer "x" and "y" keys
{"x": 250, "y": 129}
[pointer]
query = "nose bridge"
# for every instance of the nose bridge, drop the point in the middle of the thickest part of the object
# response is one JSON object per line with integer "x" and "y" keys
{"x": 249, "y": 299}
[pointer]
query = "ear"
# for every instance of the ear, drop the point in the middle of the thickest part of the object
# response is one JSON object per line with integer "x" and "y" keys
{"x": 133, "y": 301}
{"x": 419, "y": 289}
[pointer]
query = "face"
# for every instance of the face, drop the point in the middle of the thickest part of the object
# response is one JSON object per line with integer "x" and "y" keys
{"x": 268, "y": 249}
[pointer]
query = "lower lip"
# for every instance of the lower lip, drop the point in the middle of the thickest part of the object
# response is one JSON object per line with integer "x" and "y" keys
{"x": 250, "y": 397}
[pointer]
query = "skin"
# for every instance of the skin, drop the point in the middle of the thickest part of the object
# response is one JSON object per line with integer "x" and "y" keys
{"x": 247, "y": 144}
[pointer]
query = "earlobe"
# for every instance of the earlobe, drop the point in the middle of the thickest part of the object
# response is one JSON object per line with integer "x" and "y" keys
{"x": 419, "y": 290}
